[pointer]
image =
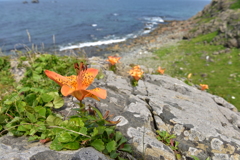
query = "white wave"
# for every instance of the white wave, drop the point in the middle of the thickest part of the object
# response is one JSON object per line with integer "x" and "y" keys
{"x": 89, "y": 44}
{"x": 94, "y": 25}
{"x": 115, "y": 14}
{"x": 154, "y": 19}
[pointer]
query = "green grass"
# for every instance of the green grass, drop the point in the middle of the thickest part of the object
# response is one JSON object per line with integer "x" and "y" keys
{"x": 235, "y": 5}
{"x": 221, "y": 72}
{"x": 207, "y": 37}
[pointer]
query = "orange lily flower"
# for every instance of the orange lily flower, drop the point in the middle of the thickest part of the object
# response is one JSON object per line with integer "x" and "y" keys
{"x": 113, "y": 59}
{"x": 77, "y": 85}
{"x": 136, "y": 72}
{"x": 161, "y": 70}
{"x": 204, "y": 86}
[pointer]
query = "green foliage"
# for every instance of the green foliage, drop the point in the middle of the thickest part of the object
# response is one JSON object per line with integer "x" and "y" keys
{"x": 196, "y": 158}
{"x": 235, "y": 5}
{"x": 29, "y": 111}
{"x": 6, "y": 80}
{"x": 207, "y": 37}
{"x": 220, "y": 71}
{"x": 167, "y": 139}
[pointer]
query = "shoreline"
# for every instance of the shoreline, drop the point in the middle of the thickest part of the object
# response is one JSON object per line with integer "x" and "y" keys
{"x": 132, "y": 50}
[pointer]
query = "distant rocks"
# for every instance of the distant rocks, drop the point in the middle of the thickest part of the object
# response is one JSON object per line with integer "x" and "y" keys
{"x": 218, "y": 17}
{"x": 35, "y": 1}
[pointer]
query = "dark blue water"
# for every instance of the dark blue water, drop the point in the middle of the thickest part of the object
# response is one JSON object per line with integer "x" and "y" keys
{"x": 68, "y": 22}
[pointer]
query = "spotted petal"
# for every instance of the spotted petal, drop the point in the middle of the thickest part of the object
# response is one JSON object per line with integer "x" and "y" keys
{"x": 61, "y": 80}
{"x": 86, "y": 78}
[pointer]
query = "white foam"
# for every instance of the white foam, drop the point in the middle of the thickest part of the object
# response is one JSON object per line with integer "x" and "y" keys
{"x": 94, "y": 25}
{"x": 154, "y": 19}
{"x": 89, "y": 44}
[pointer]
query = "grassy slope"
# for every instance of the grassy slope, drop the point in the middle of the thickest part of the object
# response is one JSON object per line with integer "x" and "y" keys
{"x": 221, "y": 72}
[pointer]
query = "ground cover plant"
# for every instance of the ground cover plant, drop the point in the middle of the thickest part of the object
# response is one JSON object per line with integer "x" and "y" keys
{"x": 6, "y": 80}
{"x": 30, "y": 109}
{"x": 214, "y": 65}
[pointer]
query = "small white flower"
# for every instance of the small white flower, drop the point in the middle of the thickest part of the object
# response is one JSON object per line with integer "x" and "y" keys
{"x": 233, "y": 97}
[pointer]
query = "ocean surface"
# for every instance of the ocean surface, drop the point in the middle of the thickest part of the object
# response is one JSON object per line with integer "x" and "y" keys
{"x": 64, "y": 24}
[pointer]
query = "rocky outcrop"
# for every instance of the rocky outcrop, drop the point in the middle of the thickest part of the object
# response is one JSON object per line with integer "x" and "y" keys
{"x": 205, "y": 125}
{"x": 218, "y": 17}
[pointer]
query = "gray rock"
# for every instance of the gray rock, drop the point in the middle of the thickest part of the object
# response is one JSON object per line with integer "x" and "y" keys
{"x": 20, "y": 149}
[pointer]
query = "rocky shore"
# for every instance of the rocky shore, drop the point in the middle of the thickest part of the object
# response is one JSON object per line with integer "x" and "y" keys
{"x": 205, "y": 125}
{"x": 133, "y": 50}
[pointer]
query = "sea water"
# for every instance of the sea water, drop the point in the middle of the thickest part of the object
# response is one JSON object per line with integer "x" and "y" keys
{"x": 66, "y": 24}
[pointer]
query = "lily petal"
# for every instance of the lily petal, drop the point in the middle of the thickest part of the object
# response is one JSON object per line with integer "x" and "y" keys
{"x": 95, "y": 93}
{"x": 66, "y": 90}
{"x": 56, "y": 77}
{"x": 85, "y": 78}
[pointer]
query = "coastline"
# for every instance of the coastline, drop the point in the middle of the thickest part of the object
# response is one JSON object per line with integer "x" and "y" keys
{"x": 134, "y": 49}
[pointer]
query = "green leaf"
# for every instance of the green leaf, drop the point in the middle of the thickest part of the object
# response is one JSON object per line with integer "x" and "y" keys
{"x": 119, "y": 158}
{"x": 56, "y": 145}
{"x": 58, "y": 102}
{"x": 95, "y": 132}
{"x": 46, "y": 97}
{"x": 195, "y": 158}
{"x": 53, "y": 120}
{"x": 1, "y": 127}
{"x": 98, "y": 145}
{"x": 109, "y": 131}
{"x": 14, "y": 120}
{"x": 8, "y": 102}
{"x": 21, "y": 106}
{"x": 49, "y": 104}
{"x": 40, "y": 110}
{"x": 31, "y": 117}
{"x": 123, "y": 140}
{"x": 41, "y": 126}
{"x": 65, "y": 137}
{"x": 38, "y": 70}
{"x": 114, "y": 154}
{"x": 33, "y": 138}
{"x": 72, "y": 145}
{"x": 29, "y": 109}
{"x": 32, "y": 131}
{"x": 3, "y": 118}
{"x": 24, "y": 89}
{"x": 83, "y": 130}
{"x": 127, "y": 148}
{"x": 30, "y": 98}
{"x": 76, "y": 122}
{"x": 111, "y": 146}
{"x": 24, "y": 126}
{"x": 36, "y": 77}
{"x": 118, "y": 136}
